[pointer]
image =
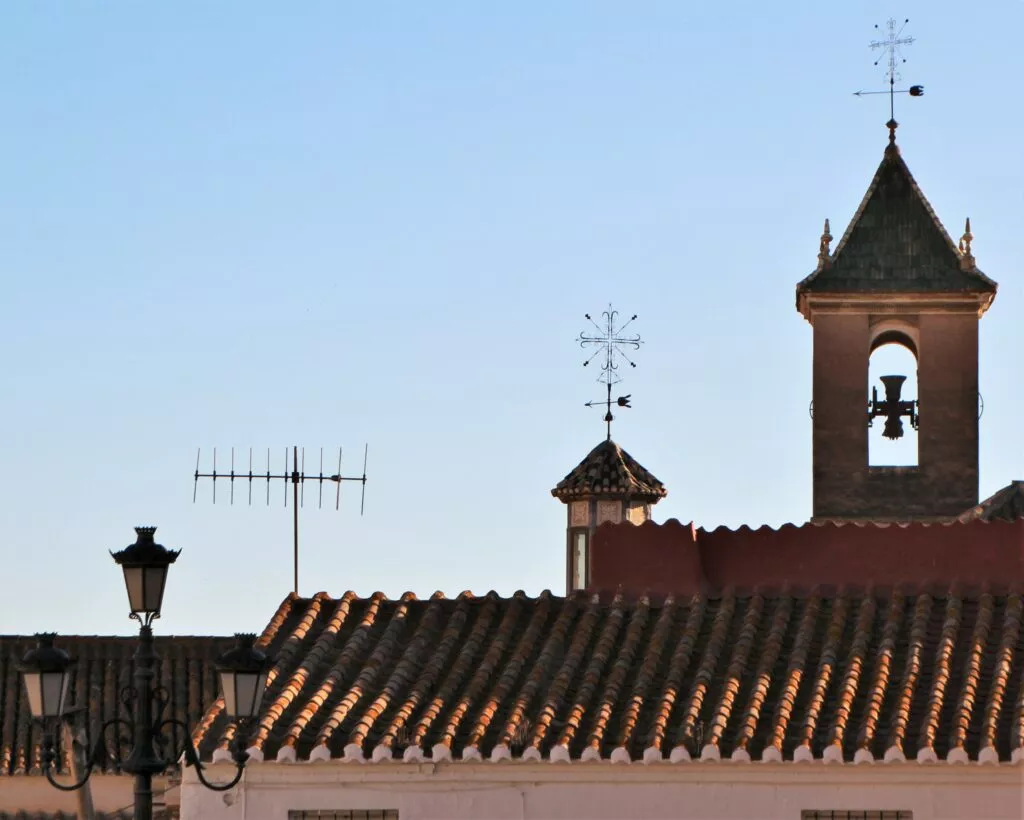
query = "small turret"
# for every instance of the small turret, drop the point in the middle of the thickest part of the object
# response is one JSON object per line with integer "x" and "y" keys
{"x": 609, "y": 485}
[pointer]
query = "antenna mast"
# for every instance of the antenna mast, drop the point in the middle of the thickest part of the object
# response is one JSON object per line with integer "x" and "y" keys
{"x": 296, "y": 476}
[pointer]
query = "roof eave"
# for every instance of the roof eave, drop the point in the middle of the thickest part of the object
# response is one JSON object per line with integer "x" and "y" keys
{"x": 811, "y": 302}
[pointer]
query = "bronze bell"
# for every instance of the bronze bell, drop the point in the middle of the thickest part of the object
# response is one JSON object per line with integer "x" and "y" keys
{"x": 893, "y": 387}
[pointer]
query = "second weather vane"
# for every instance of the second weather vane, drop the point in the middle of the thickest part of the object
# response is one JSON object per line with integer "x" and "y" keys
{"x": 611, "y": 343}
{"x": 891, "y": 52}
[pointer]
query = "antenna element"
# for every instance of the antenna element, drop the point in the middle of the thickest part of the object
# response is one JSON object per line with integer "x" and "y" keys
{"x": 296, "y": 476}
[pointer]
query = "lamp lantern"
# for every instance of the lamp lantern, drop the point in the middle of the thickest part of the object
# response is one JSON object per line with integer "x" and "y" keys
{"x": 243, "y": 678}
{"x": 145, "y": 564}
{"x": 46, "y": 671}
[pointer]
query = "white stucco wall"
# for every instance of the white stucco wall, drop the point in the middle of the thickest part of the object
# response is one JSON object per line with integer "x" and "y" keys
{"x": 607, "y": 791}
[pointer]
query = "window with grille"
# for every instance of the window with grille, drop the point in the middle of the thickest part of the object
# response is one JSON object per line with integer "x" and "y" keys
{"x": 870, "y": 814}
{"x": 345, "y": 814}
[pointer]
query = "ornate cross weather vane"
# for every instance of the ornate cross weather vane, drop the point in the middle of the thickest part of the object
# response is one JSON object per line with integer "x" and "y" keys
{"x": 611, "y": 345}
{"x": 891, "y": 51}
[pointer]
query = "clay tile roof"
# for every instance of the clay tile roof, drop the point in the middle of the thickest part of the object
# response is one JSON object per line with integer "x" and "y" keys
{"x": 609, "y": 470}
{"x": 895, "y": 244}
{"x": 1005, "y": 505}
{"x": 104, "y": 666}
{"x": 860, "y": 675}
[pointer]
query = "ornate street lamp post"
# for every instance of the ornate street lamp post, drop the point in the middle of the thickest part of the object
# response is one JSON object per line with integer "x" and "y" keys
{"x": 47, "y": 674}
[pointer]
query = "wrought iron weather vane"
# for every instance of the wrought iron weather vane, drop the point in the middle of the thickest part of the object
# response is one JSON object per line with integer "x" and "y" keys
{"x": 891, "y": 52}
{"x": 611, "y": 344}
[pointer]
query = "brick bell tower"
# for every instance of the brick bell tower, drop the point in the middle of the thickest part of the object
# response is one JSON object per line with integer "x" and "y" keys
{"x": 896, "y": 276}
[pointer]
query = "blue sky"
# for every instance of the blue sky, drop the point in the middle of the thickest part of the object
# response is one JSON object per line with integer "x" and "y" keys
{"x": 236, "y": 224}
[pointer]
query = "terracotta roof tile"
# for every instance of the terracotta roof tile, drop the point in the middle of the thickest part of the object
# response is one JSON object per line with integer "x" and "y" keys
{"x": 678, "y": 667}
{"x": 1008, "y": 643}
{"x": 749, "y": 676}
{"x": 880, "y": 680}
{"x": 1006, "y": 504}
{"x": 911, "y": 674}
{"x": 690, "y": 734}
{"x": 795, "y": 673}
{"x": 777, "y": 676}
{"x": 765, "y": 667}
{"x": 609, "y": 470}
{"x": 649, "y": 664}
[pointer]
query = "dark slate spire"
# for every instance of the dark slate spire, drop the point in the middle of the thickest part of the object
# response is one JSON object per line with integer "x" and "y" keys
{"x": 895, "y": 244}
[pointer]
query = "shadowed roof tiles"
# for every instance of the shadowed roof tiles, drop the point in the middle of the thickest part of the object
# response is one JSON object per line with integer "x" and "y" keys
{"x": 782, "y": 676}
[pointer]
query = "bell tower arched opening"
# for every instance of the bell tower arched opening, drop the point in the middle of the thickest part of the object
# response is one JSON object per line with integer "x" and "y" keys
{"x": 892, "y": 399}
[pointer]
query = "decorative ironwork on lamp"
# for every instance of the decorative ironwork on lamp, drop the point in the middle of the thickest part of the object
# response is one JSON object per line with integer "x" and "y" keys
{"x": 46, "y": 670}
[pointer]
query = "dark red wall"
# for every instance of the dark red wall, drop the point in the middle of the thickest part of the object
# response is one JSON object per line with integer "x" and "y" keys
{"x": 675, "y": 558}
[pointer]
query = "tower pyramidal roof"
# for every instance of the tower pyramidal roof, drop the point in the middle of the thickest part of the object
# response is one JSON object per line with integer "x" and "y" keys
{"x": 609, "y": 470}
{"x": 895, "y": 243}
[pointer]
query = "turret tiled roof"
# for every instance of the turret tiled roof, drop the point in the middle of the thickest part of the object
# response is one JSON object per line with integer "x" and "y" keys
{"x": 609, "y": 470}
{"x": 896, "y": 244}
{"x": 1005, "y": 505}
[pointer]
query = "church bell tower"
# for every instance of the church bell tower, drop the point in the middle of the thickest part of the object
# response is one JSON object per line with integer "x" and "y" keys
{"x": 895, "y": 277}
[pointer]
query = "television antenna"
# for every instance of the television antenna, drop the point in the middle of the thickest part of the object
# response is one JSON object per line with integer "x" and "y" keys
{"x": 296, "y": 476}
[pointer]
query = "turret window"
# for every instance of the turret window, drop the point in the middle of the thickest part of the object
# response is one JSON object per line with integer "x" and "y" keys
{"x": 579, "y": 560}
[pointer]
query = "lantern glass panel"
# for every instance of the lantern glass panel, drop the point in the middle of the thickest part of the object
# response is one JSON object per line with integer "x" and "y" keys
{"x": 46, "y": 692}
{"x": 154, "y": 587}
{"x": 261, "y": 685}
{"x": 55, "y": 690}
{"x": 34, "y": 690}
{"x": 133, "y": 581}
{"x": 243, "y": 692}
{"x": 145, "y": 587}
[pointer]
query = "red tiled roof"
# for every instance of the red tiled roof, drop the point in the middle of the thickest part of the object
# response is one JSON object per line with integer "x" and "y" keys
{"x": 104, "y": 666}
{"x": 851, "y": 675}
{"x": 609, "y": 470}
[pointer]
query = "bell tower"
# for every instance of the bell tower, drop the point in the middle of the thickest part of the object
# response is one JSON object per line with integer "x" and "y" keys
{"x": 895, "y": 277}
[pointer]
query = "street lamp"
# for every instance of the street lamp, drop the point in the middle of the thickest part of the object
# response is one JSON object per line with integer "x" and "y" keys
{"x": 242, "y": 672}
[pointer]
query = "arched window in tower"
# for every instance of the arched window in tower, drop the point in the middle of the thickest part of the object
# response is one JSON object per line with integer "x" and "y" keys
{"x": 892, "y": 401}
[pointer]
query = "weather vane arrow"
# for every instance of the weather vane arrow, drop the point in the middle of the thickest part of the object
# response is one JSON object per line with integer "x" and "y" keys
{"x": 913, "y": 91}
